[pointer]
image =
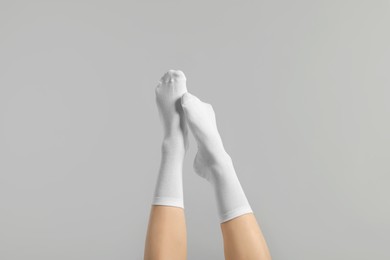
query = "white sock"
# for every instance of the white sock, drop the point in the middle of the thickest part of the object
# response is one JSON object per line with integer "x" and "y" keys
{"x": 212, "y": 162}
{"x": 169, "y": 186}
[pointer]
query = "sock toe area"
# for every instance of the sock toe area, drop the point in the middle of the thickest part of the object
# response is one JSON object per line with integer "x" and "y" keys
{"x": 178, "y": 74}
{"x": 173, "y": 75}
{"x": 187, "y": 98}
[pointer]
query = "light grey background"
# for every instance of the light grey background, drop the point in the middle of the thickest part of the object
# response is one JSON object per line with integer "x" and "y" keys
{"x": 301, "y": 90}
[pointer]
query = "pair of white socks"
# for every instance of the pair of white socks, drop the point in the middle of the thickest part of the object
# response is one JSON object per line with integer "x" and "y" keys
{"x": 179, "y": 110}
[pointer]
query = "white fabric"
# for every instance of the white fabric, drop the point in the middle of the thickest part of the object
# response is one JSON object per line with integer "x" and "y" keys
{"x": 169, "y": 186}
{"x": 212, "y": 162}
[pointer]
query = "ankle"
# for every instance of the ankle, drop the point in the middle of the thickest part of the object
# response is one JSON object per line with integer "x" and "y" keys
{"x": 221, "y": 165}
{"x": 222, "y": 162}
{"x": 174, "y": 144}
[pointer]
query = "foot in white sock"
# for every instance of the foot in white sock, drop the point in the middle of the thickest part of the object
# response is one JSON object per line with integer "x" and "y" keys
{"x": 169, "y": 187}
{"x": 212, "y": 162}
{"x": 169, "y": 91}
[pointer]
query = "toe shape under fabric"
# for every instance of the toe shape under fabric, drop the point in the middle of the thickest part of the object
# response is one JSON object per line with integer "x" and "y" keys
{"x": 187, "y": 97}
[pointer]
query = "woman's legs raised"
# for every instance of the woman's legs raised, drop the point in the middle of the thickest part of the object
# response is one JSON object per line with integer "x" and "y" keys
{"x": 241, "y": 233}
{"x": 166, "y": 236}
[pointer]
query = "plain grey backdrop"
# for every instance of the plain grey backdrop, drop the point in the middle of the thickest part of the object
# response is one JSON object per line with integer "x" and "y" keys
{"x": 301, "y": 91}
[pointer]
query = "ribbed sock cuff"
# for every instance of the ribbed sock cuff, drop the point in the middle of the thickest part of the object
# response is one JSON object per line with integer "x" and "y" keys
{"x": 164, "y": 201}
{"x": 235, "y": 213}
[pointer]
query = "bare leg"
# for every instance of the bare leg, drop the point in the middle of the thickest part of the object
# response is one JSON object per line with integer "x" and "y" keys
{"x": 166, "y": 235}
{"x": 243, "y": 239}
{"x": 242, "y": 236}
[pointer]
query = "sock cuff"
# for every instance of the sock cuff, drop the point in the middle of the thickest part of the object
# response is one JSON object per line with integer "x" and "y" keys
{"x": 166, "y": 201}
{"x": 235, "y": 213}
